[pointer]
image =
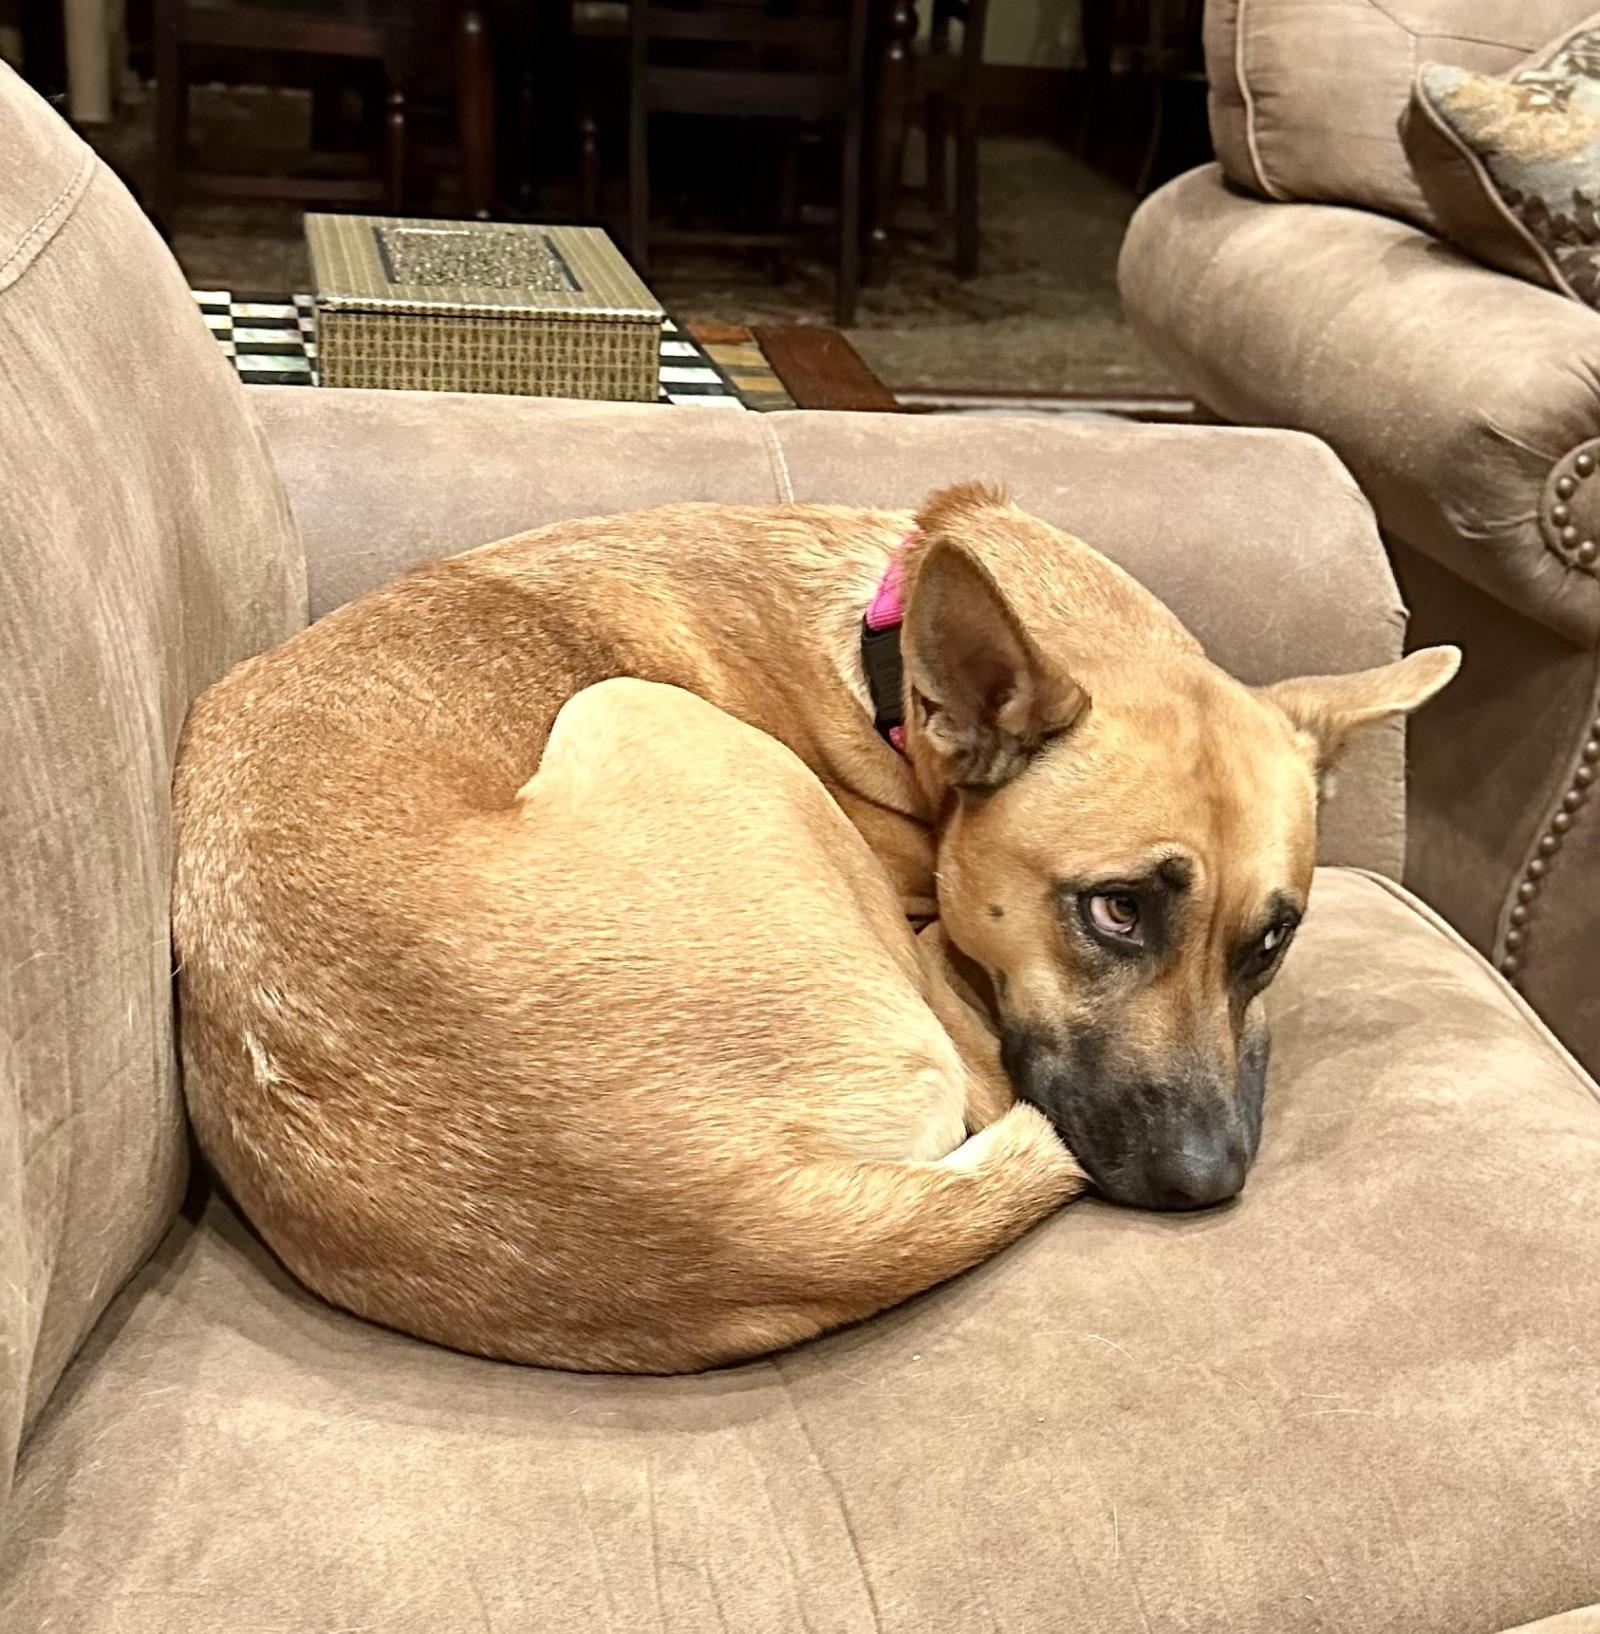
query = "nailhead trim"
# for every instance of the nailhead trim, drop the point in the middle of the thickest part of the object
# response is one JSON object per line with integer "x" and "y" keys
{"x": 1561, "y": 533}
{"x": 1532, "y": 882}
{"x": 1581, "y": 554}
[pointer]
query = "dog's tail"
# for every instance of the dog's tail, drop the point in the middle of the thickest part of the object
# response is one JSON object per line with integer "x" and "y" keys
{"x": 841, "y": 1241}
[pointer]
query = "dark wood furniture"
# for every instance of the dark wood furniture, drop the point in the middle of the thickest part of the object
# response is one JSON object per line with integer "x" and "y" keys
{"x": 821, "y": 369}
{"x": 474, "y": 90}
{"x": 784, "y": 366}
{"x": 945, "y": 80}
{"x": 1157, "y": 45}
{"x": 948, "y": 83}
{"x": 600, "y": 42}
{"x": 800, "y": 62}
{"x": 316, "y": 37}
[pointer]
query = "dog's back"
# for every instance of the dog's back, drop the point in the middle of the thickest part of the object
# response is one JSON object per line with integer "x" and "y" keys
{"x": 625, "y": 1066}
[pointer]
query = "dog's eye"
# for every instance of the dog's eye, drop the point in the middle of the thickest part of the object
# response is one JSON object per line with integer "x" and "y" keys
{"x": 1115, "y": 913}
{"x": 1273, "y": 943}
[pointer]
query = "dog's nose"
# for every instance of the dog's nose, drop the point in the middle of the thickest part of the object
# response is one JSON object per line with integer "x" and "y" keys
{"x": 1195, "y": 1174}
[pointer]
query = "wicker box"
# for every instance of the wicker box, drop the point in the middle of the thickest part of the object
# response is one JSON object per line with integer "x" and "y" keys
{"x": 415, "y": 305}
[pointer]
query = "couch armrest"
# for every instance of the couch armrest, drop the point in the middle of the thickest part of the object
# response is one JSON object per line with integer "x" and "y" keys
{"x": 1259, "y": 540}
{"x": 1463, "y": 401}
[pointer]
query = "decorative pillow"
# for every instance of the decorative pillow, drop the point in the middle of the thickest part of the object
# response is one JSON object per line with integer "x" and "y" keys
{"x": 1511, "y": 165}
{"x": 1307, "y": 95}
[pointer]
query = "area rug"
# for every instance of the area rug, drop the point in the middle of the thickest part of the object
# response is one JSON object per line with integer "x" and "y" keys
{"x": 1041, "y": 317}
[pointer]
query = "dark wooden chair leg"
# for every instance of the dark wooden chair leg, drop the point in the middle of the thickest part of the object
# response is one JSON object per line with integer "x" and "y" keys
{"x": 527, "y": 189}
{"x": 394, "y": 133}
{"x": 172, "y": 98}
{"x": 474, "y": 92}
{"x": 1152, "y": 149}
{"x": 639, "y": 181}
{"x": 1098, "y": 28}
{"x": 788, "y": 203}
{"x": 967, "y": 192}
{"x": 589, "y": 164}
{"x": 935, "y": 127}
{"x": 894, "y": 93}
{"x": 848, "y": 288}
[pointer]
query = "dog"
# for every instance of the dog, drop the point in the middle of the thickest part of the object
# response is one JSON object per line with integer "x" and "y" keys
{"x": 593, "y": 953}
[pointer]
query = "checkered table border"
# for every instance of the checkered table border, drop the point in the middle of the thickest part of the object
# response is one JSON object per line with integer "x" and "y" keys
{"x": 271, "y": 340}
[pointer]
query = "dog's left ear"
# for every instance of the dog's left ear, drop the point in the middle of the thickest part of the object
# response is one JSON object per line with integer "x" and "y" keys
{"x": 983, "y": 701}
{"x": 1330, "y": 708}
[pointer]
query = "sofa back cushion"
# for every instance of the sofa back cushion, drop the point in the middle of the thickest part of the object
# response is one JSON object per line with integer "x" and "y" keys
{"x": 145, "y": 546}
{"x": 1307, "y": 95}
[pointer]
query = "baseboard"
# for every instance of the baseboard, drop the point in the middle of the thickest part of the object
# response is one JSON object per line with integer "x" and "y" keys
{"x": 1148, "y": 407}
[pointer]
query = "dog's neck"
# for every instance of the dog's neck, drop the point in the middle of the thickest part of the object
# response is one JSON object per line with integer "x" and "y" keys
{"x": 880, "y": 654}
{"x": 821, "y": 700}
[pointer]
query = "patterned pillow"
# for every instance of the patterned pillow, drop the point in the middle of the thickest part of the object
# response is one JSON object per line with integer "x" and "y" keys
{"x": 1511, "y": 166}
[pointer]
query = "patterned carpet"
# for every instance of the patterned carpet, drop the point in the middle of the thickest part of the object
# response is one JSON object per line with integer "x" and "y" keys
{"x": 1041, "y": 317}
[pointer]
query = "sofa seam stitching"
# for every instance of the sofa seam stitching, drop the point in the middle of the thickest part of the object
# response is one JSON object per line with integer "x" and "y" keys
{"x": 777, "y": 462}
{"x": 1242, "y": 82}
{"x": 1508, "y": 995}
{"x": 76, "y": 184}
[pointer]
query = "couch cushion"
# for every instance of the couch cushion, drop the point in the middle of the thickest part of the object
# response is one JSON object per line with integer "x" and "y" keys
{"x": 147, "y": 546}
{"x": 1307, "y": 95}
{"x": 383, "y": 480}
{"x": 1366, "y": 1397}
{"x": 1458, "y": 397}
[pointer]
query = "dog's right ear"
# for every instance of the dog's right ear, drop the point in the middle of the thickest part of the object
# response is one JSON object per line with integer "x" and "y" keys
{"x": 981, "y": 700}
{"x": 1329, "y": 709}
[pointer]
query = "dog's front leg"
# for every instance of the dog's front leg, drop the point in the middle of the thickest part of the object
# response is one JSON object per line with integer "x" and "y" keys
{"x": 964, "y": 1015}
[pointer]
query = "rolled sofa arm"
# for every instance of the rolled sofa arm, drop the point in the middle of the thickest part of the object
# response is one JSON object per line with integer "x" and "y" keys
{"x": 1465, "y": 402}
{"x": 1259, "y": 540}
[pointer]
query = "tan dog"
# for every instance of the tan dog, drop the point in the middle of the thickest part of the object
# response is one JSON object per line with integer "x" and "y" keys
{"x": 578, "y": 1020}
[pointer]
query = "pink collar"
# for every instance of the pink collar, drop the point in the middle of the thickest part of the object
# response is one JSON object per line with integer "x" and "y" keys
{"x": 880, "y": 651}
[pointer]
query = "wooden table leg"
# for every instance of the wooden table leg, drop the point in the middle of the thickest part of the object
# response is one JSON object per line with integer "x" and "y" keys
{"x": 474, "y": 92}
{"x": 894, "y": 108}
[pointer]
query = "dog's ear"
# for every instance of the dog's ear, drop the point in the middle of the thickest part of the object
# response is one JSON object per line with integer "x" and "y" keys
{"x": 1329, "y": 708}
{"x": 982, "y": 699}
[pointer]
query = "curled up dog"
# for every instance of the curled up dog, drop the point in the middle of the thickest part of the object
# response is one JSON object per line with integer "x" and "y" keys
{"x": 548, "y": 920}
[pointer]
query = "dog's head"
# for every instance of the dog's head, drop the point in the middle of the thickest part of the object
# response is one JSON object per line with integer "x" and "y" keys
{"x": 1127, "y": 838}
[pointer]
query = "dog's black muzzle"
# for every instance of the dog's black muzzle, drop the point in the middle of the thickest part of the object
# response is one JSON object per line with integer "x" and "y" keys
{"x": 1181, "y": 1141}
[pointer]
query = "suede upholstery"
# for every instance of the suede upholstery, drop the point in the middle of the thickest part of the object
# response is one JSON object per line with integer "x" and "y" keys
{"x": 146, "y": 548}
{"x": 1363, "y": 1397}
{"x": 1367, "y": 1397}
{"x": 1306, "y": 95}
{"x": 1527, "y": 707}
{"x": 1293, "y": 315}
{"x": 1467, "y": 404}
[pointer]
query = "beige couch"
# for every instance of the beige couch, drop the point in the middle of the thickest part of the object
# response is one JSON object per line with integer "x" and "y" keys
{"x": 1296, "y": 283}
{"x": 1365, "y": 1398}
